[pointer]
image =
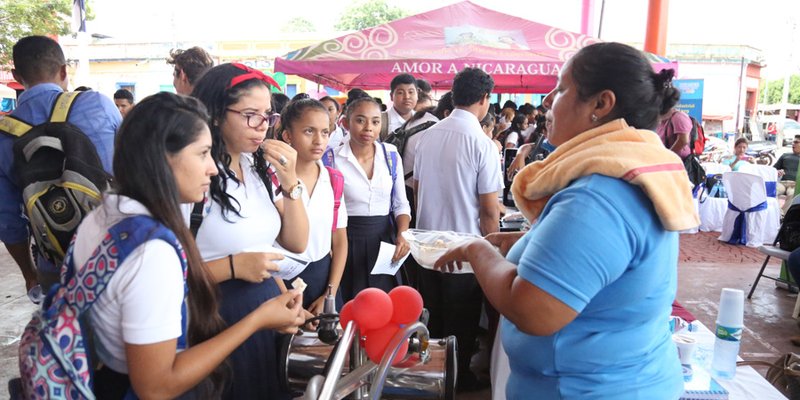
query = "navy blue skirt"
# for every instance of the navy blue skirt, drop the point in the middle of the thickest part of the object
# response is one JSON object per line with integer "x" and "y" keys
{"x": 316, "y": 277}
{"x": 255, "y": 363}
{"x": 364, "y": 237}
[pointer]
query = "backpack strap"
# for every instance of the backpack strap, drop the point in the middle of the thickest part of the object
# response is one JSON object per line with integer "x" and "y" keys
{"x": 196, "y": 219}
{"x": 14, "y": 126}
{"x": 337, "y": 184}
{"x": 391, "y": 163}
{"x": 84, "y": 286}
{"x": 384, "y": 126}
{"x": 63, "y": 106}
{"x": 328, "y": 158}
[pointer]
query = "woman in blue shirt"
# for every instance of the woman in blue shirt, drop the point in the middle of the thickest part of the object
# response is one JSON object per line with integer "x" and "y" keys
{"x": 587, "y": 292}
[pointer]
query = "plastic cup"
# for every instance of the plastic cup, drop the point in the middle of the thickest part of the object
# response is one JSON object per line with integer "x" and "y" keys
{"x": 731, "y": 308}
{"x": 686, "y": 346}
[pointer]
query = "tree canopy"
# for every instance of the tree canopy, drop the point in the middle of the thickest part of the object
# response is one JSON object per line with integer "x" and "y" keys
{"x": 20, "y": 18}
{"x": 368, "y": 13}
{"x": 298, "y": 24}
{"x": 775, "y": 90}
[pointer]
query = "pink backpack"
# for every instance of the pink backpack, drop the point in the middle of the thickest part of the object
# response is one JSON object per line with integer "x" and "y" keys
{"x": 337, "y": 183}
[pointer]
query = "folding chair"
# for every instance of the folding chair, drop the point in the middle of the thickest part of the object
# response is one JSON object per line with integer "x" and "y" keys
{"x": 777, "y": 252}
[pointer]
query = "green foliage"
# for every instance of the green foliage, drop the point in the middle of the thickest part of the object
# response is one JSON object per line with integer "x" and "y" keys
{"x": 775, "y": 93}
{"x": 299, "y": 24}
{"x": 368, "y": 13}
{"x": 20, "y": 18}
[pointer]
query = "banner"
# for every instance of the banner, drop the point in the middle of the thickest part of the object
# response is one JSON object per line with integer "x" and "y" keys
{"x": 691, "y": 101}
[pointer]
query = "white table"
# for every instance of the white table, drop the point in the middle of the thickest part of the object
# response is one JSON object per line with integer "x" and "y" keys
{"x": 747, "y": 385}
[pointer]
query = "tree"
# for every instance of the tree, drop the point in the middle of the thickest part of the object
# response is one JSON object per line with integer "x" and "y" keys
{"x": 20, "y": 18}
{"x": 775, "y": 93}
{"x": 299, "y": 24}
{"x": 368, "y": 13}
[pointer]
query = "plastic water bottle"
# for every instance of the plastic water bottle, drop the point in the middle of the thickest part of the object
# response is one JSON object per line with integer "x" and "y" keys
{"x": 728, "y": 332}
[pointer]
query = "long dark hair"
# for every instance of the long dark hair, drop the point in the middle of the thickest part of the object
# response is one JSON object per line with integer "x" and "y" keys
{"x": 161, "y": 125}
{"x": 213, "y": 91}
{"x": 642, "y": 95}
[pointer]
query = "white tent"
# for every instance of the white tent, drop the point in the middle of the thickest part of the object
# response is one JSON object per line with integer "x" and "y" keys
{"x": 7, "y": 92}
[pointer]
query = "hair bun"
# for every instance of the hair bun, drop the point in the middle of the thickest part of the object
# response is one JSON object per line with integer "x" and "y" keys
{"x": 663, "y": 79}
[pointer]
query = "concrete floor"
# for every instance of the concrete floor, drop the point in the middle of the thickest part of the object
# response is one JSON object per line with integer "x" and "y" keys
{"x": 705, "y": 267}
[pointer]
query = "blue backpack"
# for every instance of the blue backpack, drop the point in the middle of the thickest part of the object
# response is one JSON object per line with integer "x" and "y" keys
{"x": 54, "y": 357}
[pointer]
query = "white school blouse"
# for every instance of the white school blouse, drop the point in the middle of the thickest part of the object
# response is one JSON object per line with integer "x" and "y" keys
{"x": 142, "y": 303}
{"x": 254, "y": 230}
{"x": 319, "y": 208}
{"x": 371, "y": 197}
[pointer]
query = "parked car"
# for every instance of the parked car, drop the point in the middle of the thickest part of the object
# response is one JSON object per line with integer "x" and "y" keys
{"x": 790, "y": 129}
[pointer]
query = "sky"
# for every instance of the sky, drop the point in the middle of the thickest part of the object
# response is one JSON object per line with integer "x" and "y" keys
{"x": 764, "y": 24}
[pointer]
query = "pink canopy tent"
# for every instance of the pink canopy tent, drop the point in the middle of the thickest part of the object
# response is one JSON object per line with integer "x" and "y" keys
{"x": 522, "y": 56}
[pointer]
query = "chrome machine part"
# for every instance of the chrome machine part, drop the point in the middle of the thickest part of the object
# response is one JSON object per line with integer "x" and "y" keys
{"x": 307, "y": 356}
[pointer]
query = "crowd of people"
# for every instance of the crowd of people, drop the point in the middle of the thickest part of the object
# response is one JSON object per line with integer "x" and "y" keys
{"x": 243, "y": 177}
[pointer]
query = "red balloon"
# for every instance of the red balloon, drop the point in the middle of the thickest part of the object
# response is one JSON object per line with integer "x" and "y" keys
{"x": 378, "y": 340}
{"x": 346, "y": 314}
{"x": 372, "y": 309}
{"x": 407, "y": 304}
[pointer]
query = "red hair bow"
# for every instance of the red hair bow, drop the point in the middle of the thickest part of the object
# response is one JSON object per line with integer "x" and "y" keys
{"x": 252, "y": 74}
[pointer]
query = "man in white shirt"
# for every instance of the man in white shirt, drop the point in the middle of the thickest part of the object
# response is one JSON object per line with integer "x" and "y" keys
{"x": 458, "y": 180}
{"x": 404, "y": 99}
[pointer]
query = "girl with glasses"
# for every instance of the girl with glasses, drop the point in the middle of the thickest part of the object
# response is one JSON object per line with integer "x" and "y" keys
{"x": 147, "y": 348}
{"x": 254, "y": 202}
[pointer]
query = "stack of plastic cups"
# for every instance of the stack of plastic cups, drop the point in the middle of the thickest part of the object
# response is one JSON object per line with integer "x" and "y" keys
{"x": 728, "y": 333}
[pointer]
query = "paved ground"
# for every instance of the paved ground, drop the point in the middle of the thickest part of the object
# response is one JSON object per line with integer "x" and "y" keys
{"x": 705, "y": 267}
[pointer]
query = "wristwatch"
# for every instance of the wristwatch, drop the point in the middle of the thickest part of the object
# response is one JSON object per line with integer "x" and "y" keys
{"x": 294, "y": 192}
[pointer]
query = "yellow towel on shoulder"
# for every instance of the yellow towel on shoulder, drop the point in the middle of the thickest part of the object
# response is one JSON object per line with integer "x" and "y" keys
{"x": 615, "y": 150}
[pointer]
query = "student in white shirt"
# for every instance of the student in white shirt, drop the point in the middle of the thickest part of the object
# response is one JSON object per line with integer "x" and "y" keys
{"x": 306, "y": 128}
{"x": 337, "y": 133}
{"x": 512, "y": 137}
{"x": 162, "y": 158}
{"x": 372, "y": 196}
{"x": 458, "y": 176}
{"x": 440, "y": 112}
{"x": 404, "y": 98}
{"x": 245, "y": 217}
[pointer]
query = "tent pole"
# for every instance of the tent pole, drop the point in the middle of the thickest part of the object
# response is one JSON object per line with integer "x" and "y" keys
{"x": 655, "y": 40}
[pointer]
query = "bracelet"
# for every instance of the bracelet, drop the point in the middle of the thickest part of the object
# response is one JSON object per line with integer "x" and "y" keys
{"x": 230, "y": 261}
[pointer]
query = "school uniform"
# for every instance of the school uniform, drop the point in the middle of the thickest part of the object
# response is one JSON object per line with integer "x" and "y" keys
{"x": 369, "y": 203}
{"x": 319, "y": 208}
{"x": 255, "y": 362}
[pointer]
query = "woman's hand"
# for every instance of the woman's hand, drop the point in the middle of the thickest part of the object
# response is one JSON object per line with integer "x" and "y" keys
{"x": 255, "y": 267}
{"x": 519, "y": 161}
{"x": 283, "y": 158}
{"x": 311, "y": 326}
{"x": 453, "y": 258}
{"x": 402, "y": 248}
{"x": 283, "y": 313}
{"x": 503, "y": 240}
{"x": 316, "y": 308}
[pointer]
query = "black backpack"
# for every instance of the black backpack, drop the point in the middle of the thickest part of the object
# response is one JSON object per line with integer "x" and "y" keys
{"x": 401, "y": 135}
{"x": 789, "y": 234}
{"x": 60, "y": 175}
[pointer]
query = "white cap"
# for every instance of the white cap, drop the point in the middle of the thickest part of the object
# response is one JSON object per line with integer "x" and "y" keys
{"x": 731, "y": 308}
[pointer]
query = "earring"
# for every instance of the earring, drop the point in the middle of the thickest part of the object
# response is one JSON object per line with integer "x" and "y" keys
{"x": 594, "y": 118}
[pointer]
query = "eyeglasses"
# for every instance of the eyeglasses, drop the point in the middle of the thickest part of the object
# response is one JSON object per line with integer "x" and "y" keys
{"x": 254, "y": 120}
